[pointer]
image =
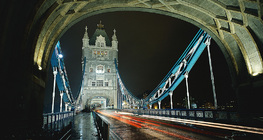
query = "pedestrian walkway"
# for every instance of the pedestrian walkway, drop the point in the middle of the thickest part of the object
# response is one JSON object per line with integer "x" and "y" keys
{"x": 84, "y": 127}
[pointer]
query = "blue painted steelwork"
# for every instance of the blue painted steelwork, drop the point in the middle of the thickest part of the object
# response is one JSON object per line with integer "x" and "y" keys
{"x": 181, "y": 67}
{"x": 78, "y": 101}
{"x": 177, "y": 73}
{"x": 62, "y": 81}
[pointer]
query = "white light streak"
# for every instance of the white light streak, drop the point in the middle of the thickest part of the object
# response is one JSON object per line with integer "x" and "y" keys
{"x": 125, "y": 113}
{"x": 211, "y": 124}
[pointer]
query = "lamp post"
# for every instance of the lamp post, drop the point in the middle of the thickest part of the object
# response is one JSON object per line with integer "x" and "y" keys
{"x": 187, "y": 90}
{"x": 171, "y": 98}
{"x": 54, "y": 87}
{"x": 61, "y": 96}
{"x": 159, "y": 103}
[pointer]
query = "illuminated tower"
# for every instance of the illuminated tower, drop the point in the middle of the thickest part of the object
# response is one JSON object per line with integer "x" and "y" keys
{"x": 100, "y": 80}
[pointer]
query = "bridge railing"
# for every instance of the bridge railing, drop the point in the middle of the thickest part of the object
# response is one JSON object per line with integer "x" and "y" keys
{"x": 57, "y": 121}
{"x": 102, "y": 125}
{"x": 195, "y": 114}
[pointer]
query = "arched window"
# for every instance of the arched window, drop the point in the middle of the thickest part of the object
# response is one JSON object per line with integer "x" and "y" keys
{"x": 98, "y": 44}
{"x": 100, "y": 69}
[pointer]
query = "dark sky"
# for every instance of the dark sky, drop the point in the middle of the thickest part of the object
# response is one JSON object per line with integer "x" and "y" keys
{"x": 149, "y": 45}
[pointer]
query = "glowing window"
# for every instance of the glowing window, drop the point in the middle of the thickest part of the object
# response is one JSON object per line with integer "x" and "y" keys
{"x": 90, "y": 69}
{"x": 100, "y": 69}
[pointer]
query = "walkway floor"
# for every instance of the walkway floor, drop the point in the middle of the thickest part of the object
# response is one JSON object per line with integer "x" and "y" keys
{"x": 84, "y": 127}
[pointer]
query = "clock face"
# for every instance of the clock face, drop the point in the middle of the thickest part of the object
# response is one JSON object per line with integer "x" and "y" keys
{"x": 100, "y": 53}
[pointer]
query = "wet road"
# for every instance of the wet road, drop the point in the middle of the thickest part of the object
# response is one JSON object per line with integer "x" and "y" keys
{"x": 130, "y": 127}
{"x": 84, "y": 127}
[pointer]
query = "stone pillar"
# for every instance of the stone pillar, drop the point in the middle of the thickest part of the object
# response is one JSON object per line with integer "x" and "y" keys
{"x": 249, "y": 99}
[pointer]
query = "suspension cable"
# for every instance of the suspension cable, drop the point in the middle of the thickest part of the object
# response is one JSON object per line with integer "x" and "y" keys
{"x": 211, "y": 72}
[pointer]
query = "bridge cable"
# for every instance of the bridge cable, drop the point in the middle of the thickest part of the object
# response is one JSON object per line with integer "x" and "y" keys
{"x": 211, "y": 72}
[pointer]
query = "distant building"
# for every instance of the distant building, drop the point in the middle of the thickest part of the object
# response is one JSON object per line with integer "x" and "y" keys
{"x": 100, "y": 80}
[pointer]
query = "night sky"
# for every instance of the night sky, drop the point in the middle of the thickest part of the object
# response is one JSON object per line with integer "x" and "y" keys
{"x": 149, "y": 45}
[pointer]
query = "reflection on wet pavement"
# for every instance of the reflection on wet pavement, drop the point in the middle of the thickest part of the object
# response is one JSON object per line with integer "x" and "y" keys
{"x": 130, "y": 127}
{"x": 84, "y": 127}
{"x": 142, "y": 127}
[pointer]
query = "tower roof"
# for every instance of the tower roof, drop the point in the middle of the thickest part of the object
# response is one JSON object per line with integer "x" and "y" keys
{"x": 100, "y": 31}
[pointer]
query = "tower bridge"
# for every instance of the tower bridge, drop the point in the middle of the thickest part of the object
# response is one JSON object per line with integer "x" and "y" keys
{"x": 36, "y": 27}
{"x": 100, "y": 73}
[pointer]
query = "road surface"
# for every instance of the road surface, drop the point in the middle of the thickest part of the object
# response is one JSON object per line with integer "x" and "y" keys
{"x": 134, "y": 127}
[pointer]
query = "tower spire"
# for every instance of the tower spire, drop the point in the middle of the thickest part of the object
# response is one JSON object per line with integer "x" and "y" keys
{"x": 100, "y": 26}
{"x": 85, "y": 38}
{"x": 114, "y": 37}
{"x": 86, "y": 33}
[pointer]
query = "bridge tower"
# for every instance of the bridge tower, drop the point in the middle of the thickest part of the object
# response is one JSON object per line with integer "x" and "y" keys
{"x": 100, "y": 79}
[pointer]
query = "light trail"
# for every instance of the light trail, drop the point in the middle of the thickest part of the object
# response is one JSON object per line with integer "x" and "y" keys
{"x": 139, "y": 120}
{"x": 211, "y": 124}
{"x": 139, "y": 125}
{"x": 182, "y": 127}
{"x": 121, "y": 119}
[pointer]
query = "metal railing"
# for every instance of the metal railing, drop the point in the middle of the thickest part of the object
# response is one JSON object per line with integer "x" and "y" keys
{"x": 102, "y": 125}
{"x": 195, "y": 114}
{"x": 57, "y": 121}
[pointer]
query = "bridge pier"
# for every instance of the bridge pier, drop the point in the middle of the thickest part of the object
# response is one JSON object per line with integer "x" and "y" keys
{"x": 249, "y": 99}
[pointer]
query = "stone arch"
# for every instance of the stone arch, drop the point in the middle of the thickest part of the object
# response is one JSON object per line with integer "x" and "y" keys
{"x": 235, "y": 26}
{"x": 30, "y": 30}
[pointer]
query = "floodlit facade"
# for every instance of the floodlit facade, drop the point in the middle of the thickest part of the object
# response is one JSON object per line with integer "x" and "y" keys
{"x": 100, "y": 80}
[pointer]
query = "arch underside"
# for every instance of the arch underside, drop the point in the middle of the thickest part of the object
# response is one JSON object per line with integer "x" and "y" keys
{"x": 235, "y": 25}
{"x": 88, "y": 99}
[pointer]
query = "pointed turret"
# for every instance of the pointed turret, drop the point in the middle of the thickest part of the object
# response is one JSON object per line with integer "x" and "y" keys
{"x": 100, "y": 31}
{"x": 114, "y": 41}
{"x": 114, "y": 37}
{"x": 85, "y": 38}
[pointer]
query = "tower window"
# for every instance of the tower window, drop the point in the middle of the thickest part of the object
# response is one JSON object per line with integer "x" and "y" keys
{"x": 101, "y": 44}
{"x": 90, "y": 69}
{"x": 100, "y": 53}
{"x": 99, "y": 83}
{"x": 106, "y": 84}
{"x": 93, "y": 84}
{"x": 108, "y": 70}
{"x": 100, "y": 69}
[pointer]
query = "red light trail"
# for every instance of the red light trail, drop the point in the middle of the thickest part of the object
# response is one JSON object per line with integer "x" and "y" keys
{"x": 139, "y": 123}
